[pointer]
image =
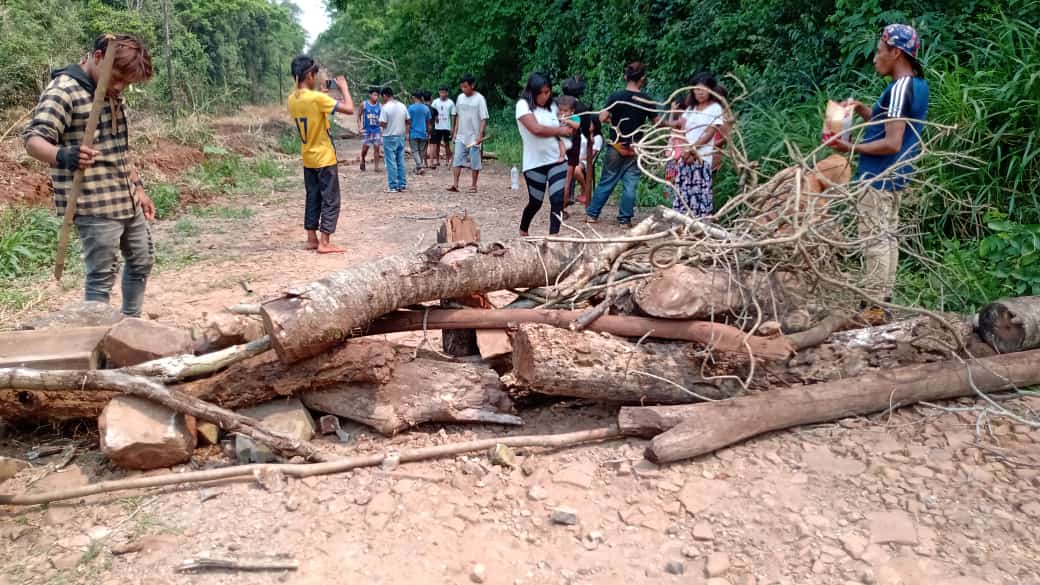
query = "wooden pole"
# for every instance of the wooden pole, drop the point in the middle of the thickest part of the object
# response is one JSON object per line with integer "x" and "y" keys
{"x": 104, "y": 76}
{"x": 168, "y": 57}
{"x": 711, "y": 426}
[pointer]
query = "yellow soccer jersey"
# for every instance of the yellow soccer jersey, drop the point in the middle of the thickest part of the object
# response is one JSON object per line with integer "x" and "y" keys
{"x": 311, "y": 111}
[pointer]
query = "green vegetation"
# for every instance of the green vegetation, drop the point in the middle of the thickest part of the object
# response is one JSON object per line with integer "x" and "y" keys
{"x": 223, "y": 212}
{"x": 982, "y": 61}
{"x": 289, "y": 141}
{"x": 28, "y": 237}
{"x": 224, "y": 53}
{"x": 166, "y": 199}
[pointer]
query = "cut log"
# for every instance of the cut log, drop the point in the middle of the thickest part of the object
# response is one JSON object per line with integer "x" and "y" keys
{"x": 420, "y": 391}
{"x": 712, "y": 426}
{"x": 718, "y": 336}
{"x": 583, "y": 364}
{"x": 461, "y": 342}
{"x": 692, "y": 292}
{"x": 315, "y": 317}
{"x": 1011, "y": 325}
{"x": 89, "y": 382}
{"x": 72, "y": 348}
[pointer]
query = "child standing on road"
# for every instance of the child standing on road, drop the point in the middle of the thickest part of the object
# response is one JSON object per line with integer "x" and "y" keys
{"x": 368, "y": 126}
{"x": 418, "y": 130}
{"x": 311, "y": 111}
{"x": 443, "y": 110}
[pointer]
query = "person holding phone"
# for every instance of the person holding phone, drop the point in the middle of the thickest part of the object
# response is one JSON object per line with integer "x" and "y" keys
{"x": 312, "y": 113}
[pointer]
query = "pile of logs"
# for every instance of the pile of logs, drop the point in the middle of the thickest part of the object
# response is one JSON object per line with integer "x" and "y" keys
{"x": 675, "y": 349}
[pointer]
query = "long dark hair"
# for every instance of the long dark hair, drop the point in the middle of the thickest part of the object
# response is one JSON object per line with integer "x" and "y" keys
{"x": 535, "y": 83}
{"x": 707, "y": 79}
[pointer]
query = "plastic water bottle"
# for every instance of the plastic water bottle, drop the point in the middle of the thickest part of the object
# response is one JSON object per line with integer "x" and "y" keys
{"x": 514, "y": 179}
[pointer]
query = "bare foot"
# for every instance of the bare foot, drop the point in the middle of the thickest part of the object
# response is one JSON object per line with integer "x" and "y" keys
{"x": 524, "y": 234}
{"x": 310, "y": 246}
{"x": 329, "y": 249}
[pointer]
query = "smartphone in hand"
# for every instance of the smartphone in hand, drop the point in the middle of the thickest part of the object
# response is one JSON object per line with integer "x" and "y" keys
{"x": 330, "y": 83}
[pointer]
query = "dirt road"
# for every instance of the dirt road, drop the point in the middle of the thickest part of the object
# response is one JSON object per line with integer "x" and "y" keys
{"x": 895, "y": 499}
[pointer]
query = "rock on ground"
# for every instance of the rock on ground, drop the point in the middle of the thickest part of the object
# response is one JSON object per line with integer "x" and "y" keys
{"x": 139, "y": 434}
{"x": 224, "y": 329}
{"x": 77, "y": 314}
{"x": 285, "y": 416}
{"x": 133, "y": 341}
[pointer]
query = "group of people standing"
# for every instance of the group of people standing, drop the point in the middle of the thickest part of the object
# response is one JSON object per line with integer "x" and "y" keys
{"x": 458, "y": 125}
{"x": 560, "y": 138}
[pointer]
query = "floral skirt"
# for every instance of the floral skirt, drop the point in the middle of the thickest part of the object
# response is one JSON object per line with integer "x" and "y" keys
{"x": 692, "y": 194}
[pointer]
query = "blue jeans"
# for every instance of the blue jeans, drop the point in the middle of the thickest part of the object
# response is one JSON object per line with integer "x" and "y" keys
{"x": 393, "y": 152}
{"x": 616, "y": 168}
{"x": 102, "y": 240}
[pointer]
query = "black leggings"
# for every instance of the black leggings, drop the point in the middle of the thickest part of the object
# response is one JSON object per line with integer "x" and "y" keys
{"x": 549, "y": 178}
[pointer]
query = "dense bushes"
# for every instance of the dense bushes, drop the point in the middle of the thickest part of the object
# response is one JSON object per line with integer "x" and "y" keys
{"x": 224, "y": 53}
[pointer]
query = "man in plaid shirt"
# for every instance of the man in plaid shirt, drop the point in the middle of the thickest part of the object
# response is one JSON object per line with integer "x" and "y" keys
{"x": 113, "y": 209}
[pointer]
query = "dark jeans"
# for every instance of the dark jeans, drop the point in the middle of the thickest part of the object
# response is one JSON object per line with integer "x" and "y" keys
{"x": 419, "y": 152}
{"x": 102, "y": 240}
{"x": 551, "y": 180}
{"x": 616, "y": 168}
{"x": 322, "y": 208}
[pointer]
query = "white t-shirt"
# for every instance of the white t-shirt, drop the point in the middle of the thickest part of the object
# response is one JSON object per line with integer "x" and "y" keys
{"x": 394, "y": 114}
{"x": 697, "y": 122}
{"x": 470, "y": 110}
{"x": 538, "y": 150}
{"x": 445, "y": 109}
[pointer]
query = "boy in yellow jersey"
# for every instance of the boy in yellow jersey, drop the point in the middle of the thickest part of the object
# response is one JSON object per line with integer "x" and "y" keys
{"x": 311, "y": 112}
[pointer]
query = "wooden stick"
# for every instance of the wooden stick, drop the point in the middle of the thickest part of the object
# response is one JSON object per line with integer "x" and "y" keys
{"x": 182, "y": 367}
{"x": 711, "y": 426}
{"x": 818, "y": 333}
{"x": 1010, "y": 325}
{"x": 228, "y": 564}
{"x": 104, "y": 76}
{"x": 719, "y": 336}
{"x": 326, "y": 468}
{"x": 92, "y": 380}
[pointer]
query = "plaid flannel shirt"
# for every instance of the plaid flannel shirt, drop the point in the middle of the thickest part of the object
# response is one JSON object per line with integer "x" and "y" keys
{"x": 60, "y": 118}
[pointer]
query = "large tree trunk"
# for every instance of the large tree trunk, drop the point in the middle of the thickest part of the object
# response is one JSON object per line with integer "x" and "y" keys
{"x": 592, "y": 365}
{"x": 1011, "y": 325}
{"x": 420, "y": 391}
{"x": 317, "y": 316}
{"x": 714, "y": 425}
{"x": 719, "y": 336}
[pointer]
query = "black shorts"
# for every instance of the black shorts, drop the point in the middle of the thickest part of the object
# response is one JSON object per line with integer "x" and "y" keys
{"x": 441, "y": 137}
{"x": 321, "y": 210}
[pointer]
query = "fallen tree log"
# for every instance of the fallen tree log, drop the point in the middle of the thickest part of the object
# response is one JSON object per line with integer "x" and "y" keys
{"x": 1011, "y": 325}
{"x": 312, "y": 469}
{"x": 93, "y": 380}
{"x": 720, "y": 337}
{"x": 420, "y": 391}
{"x": 692, "y": 292}
{"x": 582, "y": 364}
{"x": 600, "y": 260}
{"x": 461, "y": 342}
{"x": 317, "y": 316}
{"x": 711, "y": 426}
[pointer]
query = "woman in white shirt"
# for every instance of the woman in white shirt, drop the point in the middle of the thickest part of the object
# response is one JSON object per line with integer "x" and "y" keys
{"x": 545, "y": 170}
{"x": 700, "y": 122}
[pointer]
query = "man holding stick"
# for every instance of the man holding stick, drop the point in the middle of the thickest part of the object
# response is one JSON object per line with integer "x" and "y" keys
{"x": 112, "y": 209}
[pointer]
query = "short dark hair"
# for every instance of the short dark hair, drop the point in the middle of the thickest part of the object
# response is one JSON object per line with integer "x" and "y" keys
{"x": 387, "y": 91}
{"x": 635, "y": 71}
{"x": 373, "y": 89}
{"x": 417, "y": 95}
{"x": 426, "y": 95}
{"x": 468, "y": 78}
{"x": 567, "y": 101}
{"x": 301, "y": 66}
{"x": 443, "y": 88}
{"x": 574, "y": 86}
{"x": 132, "y": 60}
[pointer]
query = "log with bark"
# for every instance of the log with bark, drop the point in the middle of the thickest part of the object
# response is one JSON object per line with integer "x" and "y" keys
{"x": 693, "y": 292}
{"x": 420, "y": 391}
{"x": 718, "y": 336}
{"x": 92, "y": 381}
{"x": 1010, "y": 325}
{"x": 583, "y": 364}
{"x": 315, "y": 317}
{"x": 711, "y": 426}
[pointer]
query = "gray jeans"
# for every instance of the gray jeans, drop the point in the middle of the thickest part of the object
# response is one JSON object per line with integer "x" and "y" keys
{"x": 102, "y": 240}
